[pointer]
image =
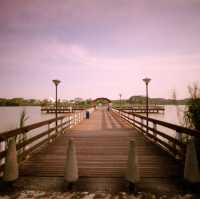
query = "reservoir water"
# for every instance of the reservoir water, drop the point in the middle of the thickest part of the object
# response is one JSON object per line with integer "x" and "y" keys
{"x": 10, "y": 116}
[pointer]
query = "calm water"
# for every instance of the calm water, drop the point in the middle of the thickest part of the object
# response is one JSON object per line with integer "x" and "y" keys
{"x": 10, "y": 116}
{"x": 172, "y": 114}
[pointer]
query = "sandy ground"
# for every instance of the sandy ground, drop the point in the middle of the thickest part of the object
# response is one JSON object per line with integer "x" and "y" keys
{"x": 30, "y": 194}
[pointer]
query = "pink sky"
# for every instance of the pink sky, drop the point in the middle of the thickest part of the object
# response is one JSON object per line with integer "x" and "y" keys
{"x": 98, "y": 48}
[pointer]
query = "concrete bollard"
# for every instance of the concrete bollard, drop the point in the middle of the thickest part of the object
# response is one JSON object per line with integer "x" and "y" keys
{"x": 71, "y": 166}
{"x": 132, "y": 174}
{"x": 11, "y": 171}
{"x": 191, "y": 169}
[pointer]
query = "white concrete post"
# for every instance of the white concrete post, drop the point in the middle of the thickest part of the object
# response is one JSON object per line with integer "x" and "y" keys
{"x": 11, "y": 172}
{"x": 132, "y": 174}
{"x": 71, "y": 166}
{"x": 191, "y": 170}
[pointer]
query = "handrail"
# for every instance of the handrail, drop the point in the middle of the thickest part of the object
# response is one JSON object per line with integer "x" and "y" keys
{"x": 14, "y": 132}
{"x": 172, "y": 145}
{"x": 175, "y": 127}
{"x": 34, "y": 140}
{"x": 140, "y": 107}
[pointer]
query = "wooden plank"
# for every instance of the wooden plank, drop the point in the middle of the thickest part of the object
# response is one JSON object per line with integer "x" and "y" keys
{"x": 102, "y": 152}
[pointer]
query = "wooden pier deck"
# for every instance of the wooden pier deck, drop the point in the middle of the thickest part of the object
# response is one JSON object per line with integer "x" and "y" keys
{"x": 102, "y": 152}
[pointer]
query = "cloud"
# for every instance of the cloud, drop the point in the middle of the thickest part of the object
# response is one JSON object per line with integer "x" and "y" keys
{"x": 57, "y": 53}
{"x": 92, "y": 44}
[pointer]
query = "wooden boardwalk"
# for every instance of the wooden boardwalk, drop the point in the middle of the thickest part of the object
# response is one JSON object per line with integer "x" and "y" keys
{"x": 102, "y": 151}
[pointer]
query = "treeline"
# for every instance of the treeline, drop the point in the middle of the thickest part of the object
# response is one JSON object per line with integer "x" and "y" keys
{"x": 20, "y": 102}
{"x": 141, "y": 100}
{"x": 45, "y": 102}
{"x": 133, "y": 100}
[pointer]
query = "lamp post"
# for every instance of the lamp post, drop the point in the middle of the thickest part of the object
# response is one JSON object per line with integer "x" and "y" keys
{"x": 56, "y": 82}
{"x": 146, "y": 81}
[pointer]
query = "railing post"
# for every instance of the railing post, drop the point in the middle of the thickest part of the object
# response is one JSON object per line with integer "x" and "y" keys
{"x": 69, "y": 121}
{"x": 73, "y": 120}
{"x": 2, "y": 148}
{"x": 179, "y": 136}
{"x": 81, "y": 114}
{"x": 155, "y": 129}
{"x": 133, "y": 117}
{"x": 62, "y": 132}
{"x": 79, "y": 117}
{"x": 142, "y": 122}
{"x": 128, "y": 117}
{"x": 49, "y": 132}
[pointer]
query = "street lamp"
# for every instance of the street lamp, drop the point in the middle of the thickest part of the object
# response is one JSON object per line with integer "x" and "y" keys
{"x": 56, "y": 82}
{"x": 146, "y": 81}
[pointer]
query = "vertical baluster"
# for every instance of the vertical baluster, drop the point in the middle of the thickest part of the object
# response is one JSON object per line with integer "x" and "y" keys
{"x": 128, "y": 117}
{"x": 142, "y": 122}
{"x": 49, "y": 126}
{"x": 155, "y": 128}
{"x": 2, "y": 148}
{"x": 71, "y": 121}
{"x": 62, "y": 127}
{"x": 133, "y": 117}
{"x": 178, "y": 136}
{"x": 74, "y": 119}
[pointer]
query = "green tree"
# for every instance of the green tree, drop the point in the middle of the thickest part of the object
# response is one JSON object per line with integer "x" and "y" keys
{"x": 45, "y": 102}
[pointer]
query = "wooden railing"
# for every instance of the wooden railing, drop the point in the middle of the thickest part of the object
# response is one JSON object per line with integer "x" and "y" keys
{"x": 36, "y": 135}
{"x": 168, "y": 136}
{"x": 142, "y": 109}
{"x": 62, "y": 109}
